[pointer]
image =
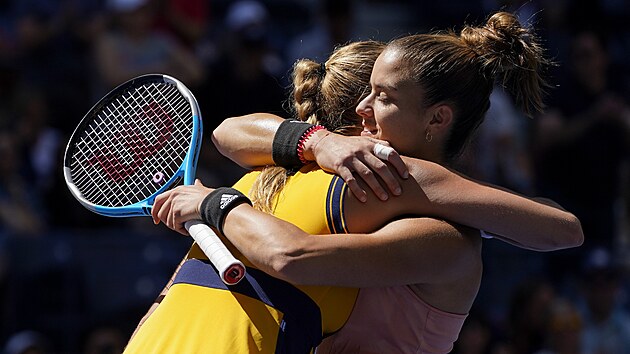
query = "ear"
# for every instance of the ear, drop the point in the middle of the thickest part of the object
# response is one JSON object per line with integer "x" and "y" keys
{"x": 442, "y": 117}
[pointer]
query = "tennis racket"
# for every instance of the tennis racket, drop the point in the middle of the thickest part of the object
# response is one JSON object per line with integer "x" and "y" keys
{"x": 138, "y": 141}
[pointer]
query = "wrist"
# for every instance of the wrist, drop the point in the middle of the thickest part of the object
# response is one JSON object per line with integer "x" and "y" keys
{"x": 218, "y": 203}
{"x": 200, "y": 206}
{"x": 287, "y": 142}
{"x": 311, "y": 142}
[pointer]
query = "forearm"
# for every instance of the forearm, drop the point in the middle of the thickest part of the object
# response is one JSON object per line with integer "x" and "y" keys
{"x": 247, "y": 140}
{"x": 406, "y": 251}
{"x": 534, "y": 224}
{"x": 266, "y": 241}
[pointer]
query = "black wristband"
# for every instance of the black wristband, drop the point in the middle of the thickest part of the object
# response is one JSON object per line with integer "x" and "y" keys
{"x": 216, "y": 205}
{"x": 285, "y": 143}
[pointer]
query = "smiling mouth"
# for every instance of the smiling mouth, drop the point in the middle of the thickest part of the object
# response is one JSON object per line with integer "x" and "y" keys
{"x": 366, "y": 129}
{"x": 367, "y": 132}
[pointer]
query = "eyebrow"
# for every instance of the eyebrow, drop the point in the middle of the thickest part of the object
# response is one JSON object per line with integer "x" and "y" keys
{"x": 387, "y": 87}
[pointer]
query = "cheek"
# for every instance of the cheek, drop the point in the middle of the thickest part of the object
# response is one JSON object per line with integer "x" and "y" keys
{"x": 388, "y": 127}
{"x": 399, "y": 132}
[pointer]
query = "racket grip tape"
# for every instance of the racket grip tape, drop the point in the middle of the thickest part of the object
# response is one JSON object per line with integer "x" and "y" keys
{"x": 230, "y": 269}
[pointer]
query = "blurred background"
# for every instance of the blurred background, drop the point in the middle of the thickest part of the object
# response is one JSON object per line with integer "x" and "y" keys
{"x": 75, "y": 282}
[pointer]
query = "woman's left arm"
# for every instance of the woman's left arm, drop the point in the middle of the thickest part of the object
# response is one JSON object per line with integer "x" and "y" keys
{"x": 532, "y": 223}
{"x": 405, "y": 251}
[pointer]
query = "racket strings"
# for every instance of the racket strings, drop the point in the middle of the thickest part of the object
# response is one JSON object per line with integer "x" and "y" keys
{"x": 133, "y": 146}
{"x": 138, "y": 148}
{"x": 114, "y": 165}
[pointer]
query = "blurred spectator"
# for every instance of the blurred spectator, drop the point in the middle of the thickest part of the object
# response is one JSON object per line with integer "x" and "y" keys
{"x": 20, "y": 204}
{"x": 446, "y": 14}
{"x": 39, "y": 142}
{"x": 244, "y": 78}
{"x": 28, "y": 342}
{"x": 581, "y": 145}
{"x": 52, "y": 44}
{"x": 529, "y": 310}
{"x": 333, "y": 25}
{"x": 132, "y": 46}
{"x": 39, "y": 148}
{"x": 476, "y": 336}
{"x": 105, "y": 339}
{"x": 606, "y": 322}
{"x": 500, "y": 153}
{"x": 186, "y": 20}
{"x": 564, "y": 329}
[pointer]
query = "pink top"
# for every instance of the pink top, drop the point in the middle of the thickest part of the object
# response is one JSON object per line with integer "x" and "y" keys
{"x": 394, "y": 320}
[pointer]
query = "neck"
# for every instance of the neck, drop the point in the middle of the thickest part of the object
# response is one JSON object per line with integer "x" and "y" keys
{"x": 430, "y": 153}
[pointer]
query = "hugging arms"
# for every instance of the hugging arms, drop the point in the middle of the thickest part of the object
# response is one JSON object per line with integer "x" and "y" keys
{"x": 431, "y": 190}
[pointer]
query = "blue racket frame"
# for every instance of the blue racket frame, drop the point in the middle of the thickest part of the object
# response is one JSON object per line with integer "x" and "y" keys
{"x": 186, "y": 171}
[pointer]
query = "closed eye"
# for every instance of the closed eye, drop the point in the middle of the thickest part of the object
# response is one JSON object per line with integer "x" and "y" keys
{"x": 383, "y": 97}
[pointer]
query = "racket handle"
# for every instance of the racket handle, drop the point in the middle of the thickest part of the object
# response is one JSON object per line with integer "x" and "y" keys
{"x": 230, "y": 269}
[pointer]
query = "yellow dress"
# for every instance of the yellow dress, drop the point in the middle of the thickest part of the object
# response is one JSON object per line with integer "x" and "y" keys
{"x": 261, "y": 314}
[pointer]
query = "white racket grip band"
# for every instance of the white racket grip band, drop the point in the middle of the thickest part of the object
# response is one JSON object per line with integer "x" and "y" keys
{"x": 230, "y": 269}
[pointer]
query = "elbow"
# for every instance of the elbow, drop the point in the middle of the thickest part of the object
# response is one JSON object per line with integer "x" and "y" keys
{"x": 280, "y": 267}
{"x": 577, "y": 234}
{"x": 218, "y": 135}
{"x": 222, "y": 138}
{"x": 572, "y": 235}
{"x": 286, "y": 263}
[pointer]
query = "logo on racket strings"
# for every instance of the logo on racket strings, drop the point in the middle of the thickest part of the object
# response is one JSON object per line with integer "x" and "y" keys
{"x": 136, "y": 143}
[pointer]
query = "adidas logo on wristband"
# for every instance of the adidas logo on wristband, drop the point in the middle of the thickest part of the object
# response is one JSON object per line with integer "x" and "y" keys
{"x": 216, "y": 205}
{"x": 226, "y": 199}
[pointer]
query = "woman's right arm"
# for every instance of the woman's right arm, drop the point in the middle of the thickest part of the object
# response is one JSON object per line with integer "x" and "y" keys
{"x": 434, "y": 191}
{"x": 405, "y": 251}
{"x": 247, "y": 140}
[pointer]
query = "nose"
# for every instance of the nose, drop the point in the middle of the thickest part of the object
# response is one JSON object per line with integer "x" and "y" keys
{"x": 364, "y": 108}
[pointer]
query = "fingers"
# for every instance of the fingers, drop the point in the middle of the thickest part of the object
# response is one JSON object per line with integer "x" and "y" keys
{"x": 385, "y": 174}
{"x": 368, "y": 170}
{"x": 163, "y": 211}
{"x": 398, "y": 163}
{"x": 383, "y": 151}
{"x": 352, "y": 184}
{"x": 157, "y": 206}
{"x": 363, "y": 159}
{"x": 171, "y": 217}
{"x": 178, "y": 205}
{"x": 182, "y": 230}
{"x": 366, "y": 173}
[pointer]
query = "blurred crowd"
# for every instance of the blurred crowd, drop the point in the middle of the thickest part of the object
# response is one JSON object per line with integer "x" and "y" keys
{"x": 75, "y": 282}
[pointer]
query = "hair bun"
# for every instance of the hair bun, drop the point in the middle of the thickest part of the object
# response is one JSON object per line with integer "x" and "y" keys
{"x": 503, "y": 42}
{"x": 510, "y": 53}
